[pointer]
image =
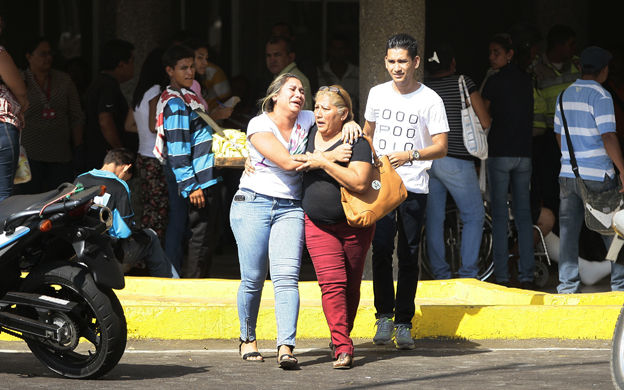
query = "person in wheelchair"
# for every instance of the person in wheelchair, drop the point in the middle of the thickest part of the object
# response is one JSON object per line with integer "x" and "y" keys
{"x": 136, "y": 244}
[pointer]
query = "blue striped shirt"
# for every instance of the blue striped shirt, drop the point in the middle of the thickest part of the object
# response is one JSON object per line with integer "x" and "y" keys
{"x": 588, "y": 109}
{"x": 189, "y": 148}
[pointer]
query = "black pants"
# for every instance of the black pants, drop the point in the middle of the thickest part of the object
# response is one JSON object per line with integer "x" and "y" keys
{"x": 408, "y": 220}
{"x": 203, "y": 234}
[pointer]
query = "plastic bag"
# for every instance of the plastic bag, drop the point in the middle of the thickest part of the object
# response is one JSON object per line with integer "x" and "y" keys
{"x": 22, "y": 173}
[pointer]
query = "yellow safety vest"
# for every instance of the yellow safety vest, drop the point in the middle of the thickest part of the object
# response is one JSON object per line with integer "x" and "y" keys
{"x": 552, "y": 86}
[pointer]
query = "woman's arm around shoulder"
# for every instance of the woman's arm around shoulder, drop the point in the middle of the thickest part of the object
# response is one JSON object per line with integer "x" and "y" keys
{"x": 267, "y": 144}
{"x": 354, "y": 177}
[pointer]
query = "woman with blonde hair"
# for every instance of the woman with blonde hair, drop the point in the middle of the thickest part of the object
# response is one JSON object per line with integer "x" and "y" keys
{"x": 338, "y": 250}
{"x": 267, "y": 218}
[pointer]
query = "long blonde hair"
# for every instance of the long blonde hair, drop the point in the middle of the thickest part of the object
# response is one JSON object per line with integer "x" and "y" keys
{"x": 267, "y": 103}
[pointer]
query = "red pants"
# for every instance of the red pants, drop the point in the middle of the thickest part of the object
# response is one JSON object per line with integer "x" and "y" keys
{"x": 338, "y": 252}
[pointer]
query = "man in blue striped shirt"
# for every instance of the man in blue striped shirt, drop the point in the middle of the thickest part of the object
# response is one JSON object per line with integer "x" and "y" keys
{"x": 588, "y": 109}
{"x": 189, "y": 149}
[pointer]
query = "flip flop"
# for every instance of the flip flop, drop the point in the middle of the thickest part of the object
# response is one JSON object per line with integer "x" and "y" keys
{"x": 287, "y": 361}
{"x": 246, "y": 357}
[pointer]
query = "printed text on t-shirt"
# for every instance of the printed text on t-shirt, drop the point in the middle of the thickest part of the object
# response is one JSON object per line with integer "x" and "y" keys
{"x": 407, "y": 124}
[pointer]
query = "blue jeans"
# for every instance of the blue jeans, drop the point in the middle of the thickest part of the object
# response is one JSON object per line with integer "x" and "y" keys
{"x": 458, "y": 177}
{"x": 502, "y": 172}
{"x": 407, "y": 219}
{"x": 9, "y": 156}
{"x": 178, "y": 217}
{"x": 571, "y": 219}
{"x": 269, "y": 232}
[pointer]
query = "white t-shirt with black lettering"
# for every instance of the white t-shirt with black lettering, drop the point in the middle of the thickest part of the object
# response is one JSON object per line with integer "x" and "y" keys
{"x": 406, "y": 122}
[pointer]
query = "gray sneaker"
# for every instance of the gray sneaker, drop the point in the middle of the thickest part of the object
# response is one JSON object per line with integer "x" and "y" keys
{"x": 404, "y": 337}
{"x": 385, "y": 331}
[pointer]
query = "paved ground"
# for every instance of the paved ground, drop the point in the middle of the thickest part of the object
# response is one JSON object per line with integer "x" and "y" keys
{"x": 214, "y": 364}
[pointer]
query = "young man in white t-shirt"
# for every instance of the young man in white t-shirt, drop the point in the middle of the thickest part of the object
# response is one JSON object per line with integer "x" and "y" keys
{"x": 408, "y": 123}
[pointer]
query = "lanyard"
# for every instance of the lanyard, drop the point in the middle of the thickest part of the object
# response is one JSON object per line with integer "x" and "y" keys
{"x": 49, "y": 86}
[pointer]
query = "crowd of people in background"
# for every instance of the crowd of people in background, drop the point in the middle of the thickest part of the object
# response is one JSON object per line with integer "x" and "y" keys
{"x": 305, "y": 143}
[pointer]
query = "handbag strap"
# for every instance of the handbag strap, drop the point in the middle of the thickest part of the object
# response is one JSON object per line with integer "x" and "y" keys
{"x": 575, "y": 167}
{"x": 466, "y": 90}
{"x": 462, "y": 91}
{"x": 375, "y": 158}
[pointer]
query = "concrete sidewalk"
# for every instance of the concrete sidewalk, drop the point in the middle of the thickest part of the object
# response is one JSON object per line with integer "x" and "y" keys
{"x": 434, "y": 364}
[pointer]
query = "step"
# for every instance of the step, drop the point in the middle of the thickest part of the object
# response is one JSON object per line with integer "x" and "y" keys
{"x": 461, "y": 308}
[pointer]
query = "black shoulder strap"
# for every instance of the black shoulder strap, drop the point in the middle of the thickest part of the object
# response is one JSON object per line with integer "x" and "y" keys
{"x": 575, "y": 168}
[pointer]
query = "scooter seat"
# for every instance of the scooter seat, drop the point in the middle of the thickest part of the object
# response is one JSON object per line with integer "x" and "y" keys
{"x": 18, "y": 203}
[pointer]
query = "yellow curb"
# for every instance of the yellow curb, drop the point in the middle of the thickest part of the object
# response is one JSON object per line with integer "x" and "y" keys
{"x": 465, "y": 308}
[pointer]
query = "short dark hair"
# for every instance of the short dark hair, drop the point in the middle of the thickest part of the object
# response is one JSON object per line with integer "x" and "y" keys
{"x": 593, "y": 73}
{"x": 291, "y": 32}
{"x": 113, "y": 52}
{"x": 559, "y": 34}
{"x": 175, "y": 54}
{"x": 119, "y": 157}
{"x": 439, "y": 57}
{"x": 405, "y": 42}
{"x": 290, "y": 45}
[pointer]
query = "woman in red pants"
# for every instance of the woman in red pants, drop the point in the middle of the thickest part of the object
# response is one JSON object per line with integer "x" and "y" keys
{"x": 338, "y": 250}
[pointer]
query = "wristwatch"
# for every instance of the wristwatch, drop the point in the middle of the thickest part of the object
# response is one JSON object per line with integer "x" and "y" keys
{"x": 415, "y": 155}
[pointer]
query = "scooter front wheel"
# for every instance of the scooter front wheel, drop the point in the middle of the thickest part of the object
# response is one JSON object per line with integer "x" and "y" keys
{"x": 617, "y": 353}
{"x": 93, "y": 335}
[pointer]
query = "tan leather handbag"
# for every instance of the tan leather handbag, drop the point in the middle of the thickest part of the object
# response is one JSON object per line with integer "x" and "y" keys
{"x": 384, "y": 193}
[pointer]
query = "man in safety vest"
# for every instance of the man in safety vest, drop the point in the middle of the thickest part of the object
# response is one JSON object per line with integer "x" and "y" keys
{"x": 555, "y": 71}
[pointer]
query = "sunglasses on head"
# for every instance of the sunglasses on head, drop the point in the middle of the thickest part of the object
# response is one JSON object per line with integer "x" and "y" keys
{"x": 331, "y": 89}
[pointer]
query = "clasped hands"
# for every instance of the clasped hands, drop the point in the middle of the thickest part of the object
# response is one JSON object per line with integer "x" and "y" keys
{"x": 319, "y": 159}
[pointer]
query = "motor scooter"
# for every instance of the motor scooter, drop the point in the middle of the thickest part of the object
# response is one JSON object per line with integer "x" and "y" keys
{"x": 64, "y": 308}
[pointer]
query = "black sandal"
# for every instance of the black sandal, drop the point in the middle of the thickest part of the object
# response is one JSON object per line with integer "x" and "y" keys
{"x": 287, "y": 360}
{"x": 246, "y": 357}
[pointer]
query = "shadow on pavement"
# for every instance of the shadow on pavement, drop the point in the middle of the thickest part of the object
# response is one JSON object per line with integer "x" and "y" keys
{"x": 367, "y": 352}
{"x": 512, "y": 367}
{"x": 124, "y": 372}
